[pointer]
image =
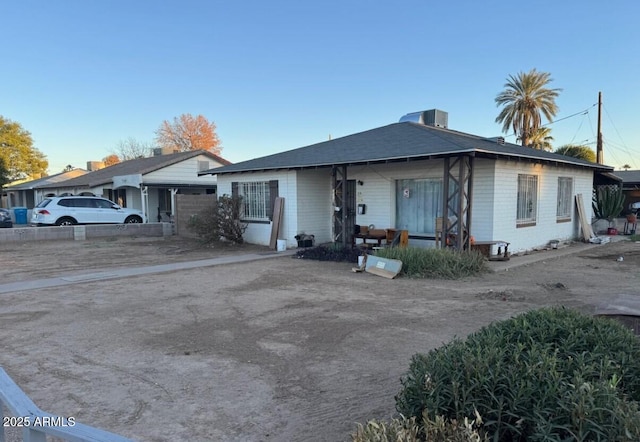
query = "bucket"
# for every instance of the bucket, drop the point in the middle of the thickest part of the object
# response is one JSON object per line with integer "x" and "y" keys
{"x": 281, "y": 245}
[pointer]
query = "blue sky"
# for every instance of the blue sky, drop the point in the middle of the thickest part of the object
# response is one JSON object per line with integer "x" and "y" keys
{"x": 82, "y": 75}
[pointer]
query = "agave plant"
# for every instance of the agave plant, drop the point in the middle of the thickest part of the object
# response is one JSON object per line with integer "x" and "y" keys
{"x": 608, "y": 203}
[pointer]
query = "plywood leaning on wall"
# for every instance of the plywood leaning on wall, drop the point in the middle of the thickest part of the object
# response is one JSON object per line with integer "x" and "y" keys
{"x": 276, "y": 225}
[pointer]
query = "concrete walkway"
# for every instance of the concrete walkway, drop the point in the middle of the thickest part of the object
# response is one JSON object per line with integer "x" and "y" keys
{"x": 496, "y": 266}
{"x": 135, "y": 271}
{"x": 563, "y": 250}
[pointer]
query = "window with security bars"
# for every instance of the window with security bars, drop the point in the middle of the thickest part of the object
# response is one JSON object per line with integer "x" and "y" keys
{"x": 565, "y": 198}
{"x": 255, "y": 200}
{"x": 527, "y": 200}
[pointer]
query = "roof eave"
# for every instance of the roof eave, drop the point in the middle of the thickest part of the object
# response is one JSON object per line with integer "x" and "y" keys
{"x": 420, "y": 157}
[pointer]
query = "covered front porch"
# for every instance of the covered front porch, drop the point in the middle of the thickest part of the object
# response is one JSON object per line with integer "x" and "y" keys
{"x": 419, "y": 203}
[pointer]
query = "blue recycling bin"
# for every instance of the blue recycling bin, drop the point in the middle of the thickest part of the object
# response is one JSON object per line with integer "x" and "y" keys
{"x": 21, "y": 215}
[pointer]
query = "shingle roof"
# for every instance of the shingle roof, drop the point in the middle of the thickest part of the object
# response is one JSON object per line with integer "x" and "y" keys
{"x": 136, "y": 166}
{"x": 56, "y": 178}
{"x": 628, "y": 176}
{"x": 396, "y": 142}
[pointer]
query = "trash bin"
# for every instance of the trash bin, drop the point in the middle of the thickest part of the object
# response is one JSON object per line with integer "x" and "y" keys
{"x": 20, "y": 214}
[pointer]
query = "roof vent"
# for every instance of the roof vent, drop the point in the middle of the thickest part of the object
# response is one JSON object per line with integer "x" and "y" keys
{"x": 433, "y": 117}
{"x": 497, "y": 140}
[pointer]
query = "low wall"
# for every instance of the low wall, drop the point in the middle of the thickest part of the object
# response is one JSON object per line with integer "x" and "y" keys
{"x": 29, "y": 233}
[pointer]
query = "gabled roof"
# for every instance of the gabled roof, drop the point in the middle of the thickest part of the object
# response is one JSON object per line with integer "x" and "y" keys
{"x": 51, "y": 179}
{"x": 140, "y": 166}
{"x": 397, "y": 142}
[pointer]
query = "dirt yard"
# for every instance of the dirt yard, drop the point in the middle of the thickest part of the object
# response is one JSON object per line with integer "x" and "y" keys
{"x": 269, "y": 350}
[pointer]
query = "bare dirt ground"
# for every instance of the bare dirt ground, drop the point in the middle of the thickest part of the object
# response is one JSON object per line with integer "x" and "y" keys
{"x": 269, "y": 350}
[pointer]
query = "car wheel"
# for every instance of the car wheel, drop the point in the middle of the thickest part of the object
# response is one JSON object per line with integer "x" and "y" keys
{"x": 133, "y": 220}
{"x": 66, "y": 222}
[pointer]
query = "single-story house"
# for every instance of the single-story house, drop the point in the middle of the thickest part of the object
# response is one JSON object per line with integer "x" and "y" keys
{"x": 23, "y": 194}
{"x": 406, "y": 175}
{"x": 149, "y": 184}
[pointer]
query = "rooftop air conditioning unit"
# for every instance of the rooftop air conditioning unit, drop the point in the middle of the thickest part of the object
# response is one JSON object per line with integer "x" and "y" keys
{"x": 94, "y": 165}
{"x": 433, "y": 117}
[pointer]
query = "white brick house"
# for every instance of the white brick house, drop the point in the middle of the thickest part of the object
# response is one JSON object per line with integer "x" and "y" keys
{"x": 396, "y": 176}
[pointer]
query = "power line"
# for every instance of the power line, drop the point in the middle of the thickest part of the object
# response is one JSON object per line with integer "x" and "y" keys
{"x": 625, "y": 148}
{"x": 582, "y": 112}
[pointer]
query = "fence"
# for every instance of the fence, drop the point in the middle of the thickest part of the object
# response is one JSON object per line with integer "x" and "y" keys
{"x": 81, "y": 232}
{"x": 36, "y": 424}
{"x": 186, "y": 207}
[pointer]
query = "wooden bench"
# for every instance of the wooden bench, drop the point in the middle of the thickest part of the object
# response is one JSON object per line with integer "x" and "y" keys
{"x": 484, "y": 247}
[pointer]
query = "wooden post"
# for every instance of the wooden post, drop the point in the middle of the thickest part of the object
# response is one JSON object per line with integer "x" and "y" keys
{"x": 599, "y": 153}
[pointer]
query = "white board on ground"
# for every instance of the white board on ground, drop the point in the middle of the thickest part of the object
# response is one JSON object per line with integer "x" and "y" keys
{"x": 387, "y": 268}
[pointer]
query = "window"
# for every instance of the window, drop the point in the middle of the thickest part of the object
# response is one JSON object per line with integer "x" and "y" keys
{"x": 418, "y": 204}
{"x": 257, "y": 199}
{"x": 103, "y": 204}
{"x": 565, "y": 197}
{"x": 527, "y": 200}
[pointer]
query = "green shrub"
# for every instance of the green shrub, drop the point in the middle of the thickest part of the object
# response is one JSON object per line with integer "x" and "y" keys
{"x": 409, "y": 430}
{"x": 436, "y": 263}
{"x": 550, "y": 374}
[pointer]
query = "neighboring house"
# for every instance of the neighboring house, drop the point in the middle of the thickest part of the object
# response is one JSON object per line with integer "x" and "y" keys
{"x": 407, "y": 174}
{"x": 23, "y": 194}
{"x": 630, "y": 186}
{"x": 149, "y": 184}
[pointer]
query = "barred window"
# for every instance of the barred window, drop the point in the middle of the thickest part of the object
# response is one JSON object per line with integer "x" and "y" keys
{"x": 255, "y": 200}
{"x": 527, "y": 200}
{"x": 565, "y": 198}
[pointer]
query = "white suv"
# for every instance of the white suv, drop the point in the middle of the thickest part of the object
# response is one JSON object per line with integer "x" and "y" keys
{"x": 70, "y": 210}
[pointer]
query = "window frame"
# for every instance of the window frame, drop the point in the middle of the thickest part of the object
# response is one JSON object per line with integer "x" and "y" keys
{"x": 564, "y": 208}
{"x": 530, "y": 202}
{"x": 266, "y": 200}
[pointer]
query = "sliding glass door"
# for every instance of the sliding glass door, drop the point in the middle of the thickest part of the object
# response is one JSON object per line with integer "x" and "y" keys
{"x": 418, "y": 204}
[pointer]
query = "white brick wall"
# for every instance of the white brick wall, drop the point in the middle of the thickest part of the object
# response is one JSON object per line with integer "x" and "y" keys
{"x": 484, "y": 214}
{"x": 314, "y": 204}
{"x": 260, "y": 233}
{"x": 379, "y": 188}
{"x": 308, "y": 207}
{"x": 546, "y": 228}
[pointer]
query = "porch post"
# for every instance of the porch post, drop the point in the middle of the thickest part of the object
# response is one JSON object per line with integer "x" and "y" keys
{"x": 174, "y": 191}
{"x": 445, "y": 203}
{"x": 339, "y": 189}
{"x": 144, "y": 193}
{"x": 462, "y": 183}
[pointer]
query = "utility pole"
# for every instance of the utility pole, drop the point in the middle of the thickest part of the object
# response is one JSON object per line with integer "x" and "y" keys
{"x": 599, "y": 153}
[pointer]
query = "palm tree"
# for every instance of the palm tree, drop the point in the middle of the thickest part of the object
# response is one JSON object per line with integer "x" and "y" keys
{"x": 525, "y": 98}
{"x": 577, "y": 151}
{"x": 626, "y": 167}
{"x": 540, "y": 139}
